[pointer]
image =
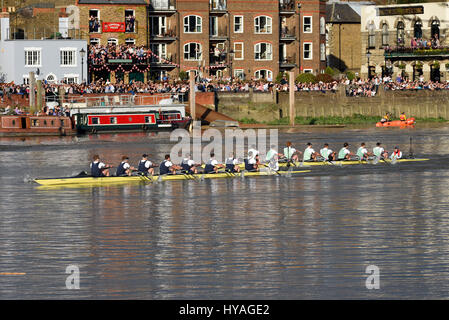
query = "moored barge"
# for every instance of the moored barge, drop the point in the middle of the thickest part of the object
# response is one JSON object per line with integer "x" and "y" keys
{"x": 35, "y": 125}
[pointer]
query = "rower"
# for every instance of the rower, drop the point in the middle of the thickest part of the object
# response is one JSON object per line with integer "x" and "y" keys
{"x": 309, "y": 153}
{"x": 397, "y": 154}
{"x": 124, "y": 169}
{"x": 98, "y": 168}
{"x": 344, "y": 153}
{"x": 188, "y": 165}
{"x": 386, "y": 118}
{"x": 212, "y": 166}
{"x": 327, "y": 153}
{"x": 232, "y": 164}
{"x": 402, "y": 117}
{"x": 167, "y": 167}
{"x": 379, "y": 152}
{"x": 145, "y": 166}
{"x": 290, "y": 153}
{"x": 251, "y": 164}
{"x": 254, "y": 152}
{"x": 273, "y": 157}
{"x": 363, "y": 153}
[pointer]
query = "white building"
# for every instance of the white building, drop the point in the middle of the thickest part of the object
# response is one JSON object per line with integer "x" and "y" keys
{"x": 53, "y": 60}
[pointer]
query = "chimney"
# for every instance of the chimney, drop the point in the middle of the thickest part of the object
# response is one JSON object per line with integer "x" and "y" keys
{"x": 64, "y": 26}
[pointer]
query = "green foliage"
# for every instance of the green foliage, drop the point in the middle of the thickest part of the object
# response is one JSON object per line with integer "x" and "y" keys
{"x": 183, "y": 75}
{"x": 401, "y": 66}
{"x": 350, "y": 75}
{"x": 306, "y": 78}
{"x": 280, "y": 76}
{"x": 248, "y": 121}
{"x": 324, "y": 77}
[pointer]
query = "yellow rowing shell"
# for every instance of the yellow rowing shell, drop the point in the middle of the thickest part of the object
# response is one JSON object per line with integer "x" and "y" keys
{"x": 338, "y": 162}
{"x": 120, "y": 180}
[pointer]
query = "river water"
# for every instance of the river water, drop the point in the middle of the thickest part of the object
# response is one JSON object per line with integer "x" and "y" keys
{"x": 310, "y": 236}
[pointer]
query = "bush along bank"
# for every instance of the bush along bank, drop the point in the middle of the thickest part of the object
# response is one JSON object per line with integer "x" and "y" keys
{"x": 331, "y": 120}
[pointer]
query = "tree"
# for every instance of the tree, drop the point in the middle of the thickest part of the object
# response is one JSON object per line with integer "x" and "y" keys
{"x": 306, "y": 78}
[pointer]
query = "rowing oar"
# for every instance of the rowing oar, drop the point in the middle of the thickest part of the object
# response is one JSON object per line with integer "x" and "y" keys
{"x": 270, "y": 169}
{"x": 410, "y": 152}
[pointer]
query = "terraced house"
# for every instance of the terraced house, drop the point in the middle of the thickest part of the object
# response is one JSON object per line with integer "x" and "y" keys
{"x": 408, "y": 40}
{"x": 249, "y": 39}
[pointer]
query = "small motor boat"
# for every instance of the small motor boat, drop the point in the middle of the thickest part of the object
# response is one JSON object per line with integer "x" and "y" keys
{"x": 397, "y": 123}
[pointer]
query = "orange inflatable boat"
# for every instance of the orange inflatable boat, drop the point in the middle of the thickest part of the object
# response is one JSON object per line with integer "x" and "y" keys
{"x": 397, "y": 123}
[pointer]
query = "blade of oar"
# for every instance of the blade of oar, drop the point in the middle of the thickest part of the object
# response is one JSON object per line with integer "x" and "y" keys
{"x": 270, "y": 169}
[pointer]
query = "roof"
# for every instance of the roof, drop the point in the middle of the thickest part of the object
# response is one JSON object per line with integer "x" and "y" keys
{"x": 341, "y": 13}
{"x": 142, "y": 2}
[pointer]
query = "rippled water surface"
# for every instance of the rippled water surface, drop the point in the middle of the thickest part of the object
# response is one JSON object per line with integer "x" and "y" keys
{"x": 308, "y": 236}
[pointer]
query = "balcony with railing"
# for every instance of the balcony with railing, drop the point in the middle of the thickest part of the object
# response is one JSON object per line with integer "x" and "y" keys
{"x": 161, "y": 6}
{"x": 220, "y": 34}
{"x": 165, "y": 35}
{"x": 218, "y": 60}
{"x": 416, "y": 52}
{"x": 217, "y": 6}
{"x": 163, "y": 61}
{"x": 288, "y": 34}
{"x": 288, "y": 62}
{"x": 286, "y": 6}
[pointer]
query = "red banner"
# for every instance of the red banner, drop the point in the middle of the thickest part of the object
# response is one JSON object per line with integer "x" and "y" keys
{"x": 113, "y": 27}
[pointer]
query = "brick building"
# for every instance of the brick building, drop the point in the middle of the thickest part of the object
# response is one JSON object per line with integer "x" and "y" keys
{"x": 32, "y": 19}
{"x": 343, "y": 43}
{"x": 243, "y": 39}
{"x": 222, "y": 38}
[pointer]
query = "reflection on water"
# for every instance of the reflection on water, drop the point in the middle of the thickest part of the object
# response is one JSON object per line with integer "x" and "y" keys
{"x": 309, "y": 236}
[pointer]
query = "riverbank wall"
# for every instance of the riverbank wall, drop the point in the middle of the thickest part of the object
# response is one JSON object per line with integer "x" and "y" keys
{"x": 270, "y": 106}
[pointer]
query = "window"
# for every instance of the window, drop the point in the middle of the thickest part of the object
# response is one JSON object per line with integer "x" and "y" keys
{"x": 371, "y": 35}
{"x": 112, "y": 41}
{"x": 130, "y": 21}
{"x": 32, "y": 57}
{"x": 192, "y": 51}
{"x": 35, "y": 123}
{"x": 263, "y": 51}
{"x": 213, "y": 26}
{"x": 238, "y": 50}
{"x": 130, "y": 41}
{"x": 322, "y": 52}
{"x": 158, "y": 26}
{"x": 238, "y": 24}
{"x": 239, "y": 74}
{"x": 322, "y": 26}
{"x": 263, "y": 74}
{"x": 71, "y": 78}
{"x": 384, "y": 34}
{"x": 308, "y": 71}
{"x": 262, "y": 24}
{"x": 417, "y": 30}
{"x": 95, "y": 121}
{"x": 435, "y": 29}
{"x": 68, "y": 57}
{"x": 26, "y": 79}
{"x": 160, "y": 50}
{"x": 113, "y": 120}
{"x": 400, "y": 33}
{"x": 192, "y": 24}
{"x": 94, "y": 21}
{"x": 51, "y": 78}
{"x": 307, "y": 51}
{"x": 94, "y": 41}
{"x": 307, "y": 24}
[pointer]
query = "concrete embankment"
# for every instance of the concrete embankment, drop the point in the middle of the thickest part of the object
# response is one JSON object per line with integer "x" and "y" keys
{"x": 270, "y": 106}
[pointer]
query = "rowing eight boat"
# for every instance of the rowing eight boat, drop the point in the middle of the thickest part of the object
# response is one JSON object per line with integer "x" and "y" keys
{"x": 88, "y": 180}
